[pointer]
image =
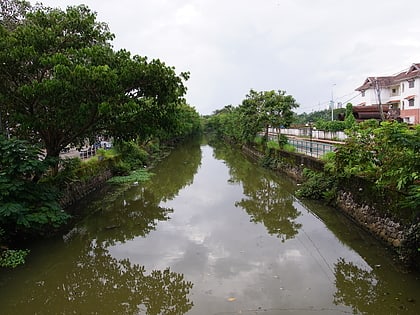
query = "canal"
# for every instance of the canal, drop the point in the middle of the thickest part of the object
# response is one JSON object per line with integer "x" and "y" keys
{"x": 210, "y": 234}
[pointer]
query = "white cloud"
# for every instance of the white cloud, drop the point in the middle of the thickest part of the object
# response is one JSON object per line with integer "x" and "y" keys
{"x": 301, "y": 46}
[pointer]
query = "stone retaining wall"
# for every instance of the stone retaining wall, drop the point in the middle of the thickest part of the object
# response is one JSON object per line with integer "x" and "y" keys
{"x": 388, "y": 230}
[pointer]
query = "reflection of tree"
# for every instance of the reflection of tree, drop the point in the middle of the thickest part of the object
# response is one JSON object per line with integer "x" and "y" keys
{"x": 176, "y": 172}
{"x": 268, "y": 202}
{"x": 135, "y": 212}
{"x": 89, "y": 280}
{"x": 355, "y": 287}
{"x": 97, "y": 283}
{"x": 364, "y": 292}
{"x": 130, "y": 214}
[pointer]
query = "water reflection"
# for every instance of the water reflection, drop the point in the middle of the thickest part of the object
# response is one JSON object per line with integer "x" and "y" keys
{"x": 177, "y": 171}
{"x": 269, "y": 204}
{"x": 122, "y": 217}
{"x": 365, "y": 292}
{"x": 83, "y": 277}
{"x": 96, "y": 283}
{"x": 266, "y": 200}
{"x": 190, "y": 242}
{"x": 88, "y": 280}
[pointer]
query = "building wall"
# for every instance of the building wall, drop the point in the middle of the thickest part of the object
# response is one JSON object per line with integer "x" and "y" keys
{"x": 410, "y": 114}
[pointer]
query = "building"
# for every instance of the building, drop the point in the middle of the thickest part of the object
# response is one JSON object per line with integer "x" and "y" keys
{"x": 400, "y": 92}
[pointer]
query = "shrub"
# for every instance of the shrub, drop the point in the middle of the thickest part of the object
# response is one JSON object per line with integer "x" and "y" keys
{"x": 28, "y": 204}
{"x": 132, "y": 154}
{"x": 317, "y": 186}
{"x": 135, "y": 176}
{"x": 11, "y": 258}
{"x": 273, "y": 145}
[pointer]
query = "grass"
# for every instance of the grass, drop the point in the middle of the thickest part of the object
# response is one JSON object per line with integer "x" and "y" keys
{"x": 139, "y": 175}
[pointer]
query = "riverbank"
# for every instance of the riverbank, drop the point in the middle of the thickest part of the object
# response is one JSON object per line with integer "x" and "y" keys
{"x": 357, "y": 199}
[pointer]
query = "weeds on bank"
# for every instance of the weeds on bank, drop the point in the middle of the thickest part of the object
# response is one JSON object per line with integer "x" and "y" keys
{"x": 140, "y": 175}
{"x": 318, "y": 185}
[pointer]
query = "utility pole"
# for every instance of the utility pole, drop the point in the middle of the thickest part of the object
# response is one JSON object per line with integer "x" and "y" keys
{"x": 332, "y": 102}
{"x": 378, "y": 92}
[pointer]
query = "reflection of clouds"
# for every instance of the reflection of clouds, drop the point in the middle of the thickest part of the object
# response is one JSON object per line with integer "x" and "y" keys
{"x": 290, "y": 255}
{"x": 214, "y": 244}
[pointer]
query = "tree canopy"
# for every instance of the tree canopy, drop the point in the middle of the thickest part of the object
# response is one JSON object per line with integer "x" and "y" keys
{"x": 257, "y": 112}
{"x": 61, "y": 82}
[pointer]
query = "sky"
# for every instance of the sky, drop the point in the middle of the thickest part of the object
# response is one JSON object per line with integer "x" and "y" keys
{"x": 315, "y": 50}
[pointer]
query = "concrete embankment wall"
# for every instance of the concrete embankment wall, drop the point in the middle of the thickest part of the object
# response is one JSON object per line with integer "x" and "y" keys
{"x": 357, "y": 198}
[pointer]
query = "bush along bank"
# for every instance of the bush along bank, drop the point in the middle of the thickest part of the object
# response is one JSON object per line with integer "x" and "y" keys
{"x": 381, "y": 212}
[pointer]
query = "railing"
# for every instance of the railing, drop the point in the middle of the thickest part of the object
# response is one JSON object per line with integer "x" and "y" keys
{"x": 87, "y": 153}
{"x": 305, "y": 132}
{"x": 312, "y": 148}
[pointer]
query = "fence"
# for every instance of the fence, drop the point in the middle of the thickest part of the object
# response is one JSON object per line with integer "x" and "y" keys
{"x": 307, "y": 131}
{"x": 87, "y": 153}
{"x": 311, "y": 148}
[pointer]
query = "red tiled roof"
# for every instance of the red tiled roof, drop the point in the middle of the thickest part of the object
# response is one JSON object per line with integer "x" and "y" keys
{"x": 412, "y": 73}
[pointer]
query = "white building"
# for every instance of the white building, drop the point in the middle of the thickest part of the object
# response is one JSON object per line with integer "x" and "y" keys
{"x": 402, "y": 91}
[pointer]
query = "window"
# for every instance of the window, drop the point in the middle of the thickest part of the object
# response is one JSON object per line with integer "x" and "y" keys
{"x": 411, "y": 102}
{"x": 411, "y": 84}
{"x": 363, "y": 93}
{"x": 402, "y": 87}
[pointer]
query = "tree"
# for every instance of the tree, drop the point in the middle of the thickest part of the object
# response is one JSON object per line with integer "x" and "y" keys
{"x": 264, "y": 109}
{"x": 62, "y": 82}
{"x": 54, "y": 75}
{"x": 149, "y": 97}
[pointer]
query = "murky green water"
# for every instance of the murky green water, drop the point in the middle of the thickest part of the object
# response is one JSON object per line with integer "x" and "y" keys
{"x": 210, "y": 234}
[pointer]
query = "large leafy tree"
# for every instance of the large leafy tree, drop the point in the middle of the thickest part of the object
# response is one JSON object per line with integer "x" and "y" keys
{"x": 150, "y": 93}
{"x": 61, "y": 81}
{"x": 266, "y": 108}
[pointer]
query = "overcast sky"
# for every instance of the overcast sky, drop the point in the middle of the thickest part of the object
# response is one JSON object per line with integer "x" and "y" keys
{"x": 312, "y": 49}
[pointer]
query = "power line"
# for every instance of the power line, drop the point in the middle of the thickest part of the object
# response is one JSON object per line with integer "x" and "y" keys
{"x": 312, "y": 107}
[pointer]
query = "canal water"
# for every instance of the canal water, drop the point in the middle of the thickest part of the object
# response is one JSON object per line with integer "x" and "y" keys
{"x": 210, "y": 234}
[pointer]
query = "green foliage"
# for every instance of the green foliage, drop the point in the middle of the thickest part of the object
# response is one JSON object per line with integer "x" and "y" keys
{"x": 135, "y": 176}
{"x": 11, "y": 258}
{"x": 258, "y": 111}
{"x": 335, "y": 125}
{"x": 27, "y": 203}
{"x": 61, "y": 82}
{"x": 121, "y": 168}
{"x": 387, "y": 154}
{"x": 282, "y": 140}
{"x": 133, "y": 155}
{"x": 321, "y": 115}
{"x": 185, "y": 121}
{"x": 289, "y": 148}
{"x": 273, "y": 145}
{"x": 329, "y": 160}
{"x": 349, "y": 120}
{"x": 318, "y": 185}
